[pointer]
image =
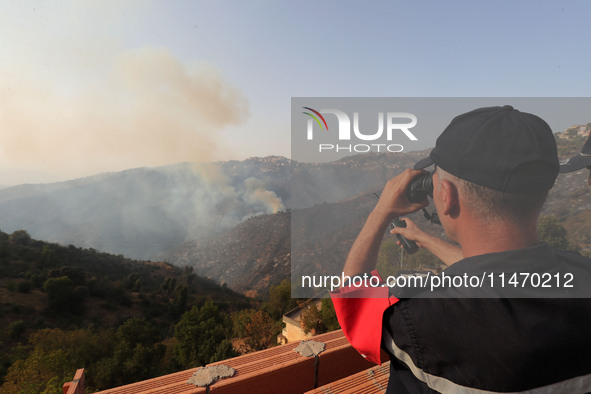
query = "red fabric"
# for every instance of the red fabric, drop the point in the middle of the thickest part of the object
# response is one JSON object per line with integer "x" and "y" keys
{"x": 360, "y": 311}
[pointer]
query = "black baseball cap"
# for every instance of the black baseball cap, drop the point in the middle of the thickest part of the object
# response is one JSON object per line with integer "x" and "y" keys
{"x": 578, "y": 161}
{"x": 500, "y": 148}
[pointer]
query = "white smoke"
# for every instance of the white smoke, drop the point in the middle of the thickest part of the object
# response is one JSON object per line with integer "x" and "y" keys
{"x": 74, "y": 102}
{"x": 256, "y": 193}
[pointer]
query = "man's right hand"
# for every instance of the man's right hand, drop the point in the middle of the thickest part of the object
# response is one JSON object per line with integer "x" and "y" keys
{"x": 393, "y": 201}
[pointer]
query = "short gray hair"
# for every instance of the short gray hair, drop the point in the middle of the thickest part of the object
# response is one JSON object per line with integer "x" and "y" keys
{"x": 494, "y": 205}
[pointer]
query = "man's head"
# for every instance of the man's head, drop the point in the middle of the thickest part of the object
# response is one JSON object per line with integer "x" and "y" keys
{"x": 493, "y": 205}
{"x": 579, "y": 161}
{"x": 501, "y": 163}
{"x": 500, "y": 148}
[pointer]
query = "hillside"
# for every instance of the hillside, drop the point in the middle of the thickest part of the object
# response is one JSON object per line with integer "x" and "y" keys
{"x": 103, "y": 289}
{"x": 142, "y": 212}
{"x": 258, "y": 253}
{"x": 139, "y": 212}
{"x": 248, "y": 258}
{"x": 326, "y": 231}
{"x": 571, "y": 140}
{"x": 63, "y": 308}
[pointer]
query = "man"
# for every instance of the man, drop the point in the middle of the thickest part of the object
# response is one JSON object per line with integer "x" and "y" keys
{"x": 448, "y": 253}
{"x": 579, "y": 161}
{"x": 494, "y": 167}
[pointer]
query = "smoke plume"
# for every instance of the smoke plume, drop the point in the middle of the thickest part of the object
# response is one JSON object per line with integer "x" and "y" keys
{"x": 146, "y": 108}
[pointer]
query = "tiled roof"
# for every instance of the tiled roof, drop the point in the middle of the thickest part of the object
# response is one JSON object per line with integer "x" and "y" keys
{"x": 370, "y": 381}
{"x": 275, "y": 370}
{"x": 173, "y": 383}
{"x": 76, "y": 386}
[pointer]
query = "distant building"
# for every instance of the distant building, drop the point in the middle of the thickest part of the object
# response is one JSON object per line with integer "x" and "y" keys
{"x": 294, "y": 330}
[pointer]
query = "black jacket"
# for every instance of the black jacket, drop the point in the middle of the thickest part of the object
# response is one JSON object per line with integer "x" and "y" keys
{"x": 451, "y": 343}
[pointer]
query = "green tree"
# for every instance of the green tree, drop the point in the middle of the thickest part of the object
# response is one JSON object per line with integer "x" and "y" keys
{"x": 189, "y": 276}
{"x": 224, "y": 350}
{"x": 41, "y": 372}
{"x": 551, "y": 232}
{"x": 137, "y": 355}
{"x": 20, "y": 237}
{"x": 55, "y": 356}
{"x": 132, "y": 281}
{"x": 256, "y": 328}
{"x": 48, "y": 257}
{"x": 63, "y": 295}
{"x": 59, "y": 292}
{"x": 554, "y": 234}
{"x": 179, "y": 303}
{"x": 280, "y": 301}
{"x": 321, "y": 319}
{"x": 199, "y": 335}
{"x": 76, "y": 274}
{"x": 311, "y": 320}
{"x": 15, "y": 329}
{"x": 168, "y": 285}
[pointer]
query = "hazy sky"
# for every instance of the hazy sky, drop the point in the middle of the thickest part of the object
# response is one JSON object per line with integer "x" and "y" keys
{"x": 94, "y": 86}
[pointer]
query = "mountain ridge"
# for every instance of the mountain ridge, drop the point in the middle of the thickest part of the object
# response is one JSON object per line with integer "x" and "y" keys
{"x": 195, "y": 213}
{"x": 144, "y": 211}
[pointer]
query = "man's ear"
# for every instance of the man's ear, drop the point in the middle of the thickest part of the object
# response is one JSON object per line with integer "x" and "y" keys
{"x": 449, "y": 198}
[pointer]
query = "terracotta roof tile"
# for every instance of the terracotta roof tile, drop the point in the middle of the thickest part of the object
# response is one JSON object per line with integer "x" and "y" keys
{"x": 279, "y": 369}
{"x": 173, "y": 383}
{"x": 372, "y": 380}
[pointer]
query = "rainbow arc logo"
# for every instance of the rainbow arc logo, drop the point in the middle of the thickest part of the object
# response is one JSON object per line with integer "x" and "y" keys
{"x": 316, "y": 118}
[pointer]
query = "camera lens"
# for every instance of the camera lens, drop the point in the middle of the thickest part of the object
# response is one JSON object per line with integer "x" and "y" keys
{"x": 420, "y": 188}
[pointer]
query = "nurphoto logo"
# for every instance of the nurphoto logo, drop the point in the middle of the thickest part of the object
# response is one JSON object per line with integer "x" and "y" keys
{"x": 395, "y": 123}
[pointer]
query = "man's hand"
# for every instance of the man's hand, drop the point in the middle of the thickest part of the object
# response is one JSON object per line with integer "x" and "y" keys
{"x": 393, "y": 201}
{"x": 411, "y": 232}
{"x": 445, "y": 251}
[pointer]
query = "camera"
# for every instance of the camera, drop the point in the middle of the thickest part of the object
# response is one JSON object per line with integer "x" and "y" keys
{"x": 420, "y": 188}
